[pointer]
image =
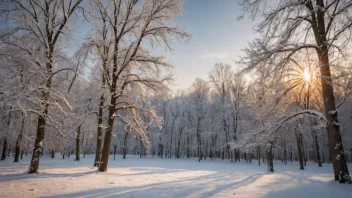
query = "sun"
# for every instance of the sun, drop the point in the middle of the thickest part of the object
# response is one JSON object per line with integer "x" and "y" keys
{"x": 306, "y": 75}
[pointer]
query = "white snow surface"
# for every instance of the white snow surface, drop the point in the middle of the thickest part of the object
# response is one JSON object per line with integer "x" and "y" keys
{"x": 154, "y": 177}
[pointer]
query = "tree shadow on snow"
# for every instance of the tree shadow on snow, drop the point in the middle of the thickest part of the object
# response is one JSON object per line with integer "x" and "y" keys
{"x": 201, "y": 186}
{"x": 25, "y": 175}
{"x": 150, "y": 171}
{"x": 301, "y": 185}
{"x": 292, "y": 185}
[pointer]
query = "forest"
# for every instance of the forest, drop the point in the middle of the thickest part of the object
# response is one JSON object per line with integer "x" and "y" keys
{"x": 84, "y": 80}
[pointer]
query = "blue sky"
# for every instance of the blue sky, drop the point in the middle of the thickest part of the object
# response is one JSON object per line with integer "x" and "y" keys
{"x": 217, "y": 36}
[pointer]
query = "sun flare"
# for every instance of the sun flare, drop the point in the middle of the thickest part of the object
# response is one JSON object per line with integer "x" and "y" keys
{"x": 306, "y": 75}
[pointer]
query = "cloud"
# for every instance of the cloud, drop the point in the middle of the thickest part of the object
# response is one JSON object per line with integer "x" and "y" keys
{"x": 213, "y": 55}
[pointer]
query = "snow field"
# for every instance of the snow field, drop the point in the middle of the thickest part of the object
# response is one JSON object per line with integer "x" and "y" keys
{"x": 154, "y": 177}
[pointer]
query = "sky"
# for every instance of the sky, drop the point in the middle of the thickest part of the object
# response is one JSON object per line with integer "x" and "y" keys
{"x": 217, "y": 36}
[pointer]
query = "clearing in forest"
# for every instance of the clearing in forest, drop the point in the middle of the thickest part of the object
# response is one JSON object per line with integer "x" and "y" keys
{"x": 155, "y": 177}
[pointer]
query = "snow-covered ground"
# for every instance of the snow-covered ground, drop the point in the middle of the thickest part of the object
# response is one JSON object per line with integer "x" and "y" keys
{"x": 153, "y": 177}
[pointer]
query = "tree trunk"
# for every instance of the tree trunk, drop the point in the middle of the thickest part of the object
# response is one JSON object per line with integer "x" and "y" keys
{"x": 188, "y": 149}
{"x": 258, "y": 155}
{"x": 114, "y": 151}
{"x": 270, "y": 158}
{"x": 85, "y": 148}
{"x": 52, "y": 153}
{"x": 4, "y": 149}
{"x": 18, "y": 142}
{"x": 227, "y": 148}
{"x": 172, "y": 132}
{"x": 160, "y": 153}
{"x": 199, "y": 147}
{"x": 250, "y": 156}
{"x": 334, "y": 137}
{"x": 178, "y": 148}
{"x": 124, "y": 150}
{"x": 235, "y": 124}
{"x": 78, "y": 144}
{"x": 38, "y": 144}
{"x": 141, "y": 148}
{"x": 317, "y": 148}
{"x": 100, "y": 127}
{"x": 263, "y": 157}
{"x": 103, "y": 167}
{"x": 299, "y": 144}
{"x": 333, "y": 128}
{"x": 238, "y": 155}
{"x": 285, "y": 152}
{"x": 303, "y": 152}
{"x": 17, "y": 151}
{"x": 102, "y": 96}
{"x": 199, "y": 141}
{"x": 299, "y": 152}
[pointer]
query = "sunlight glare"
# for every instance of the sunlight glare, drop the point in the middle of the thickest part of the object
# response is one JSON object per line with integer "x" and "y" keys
{"x": 306, "y": 75}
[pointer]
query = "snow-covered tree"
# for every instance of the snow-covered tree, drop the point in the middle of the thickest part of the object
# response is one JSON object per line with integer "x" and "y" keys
{"x": 295, "y": 26}
{"x": 134, "y": 67}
